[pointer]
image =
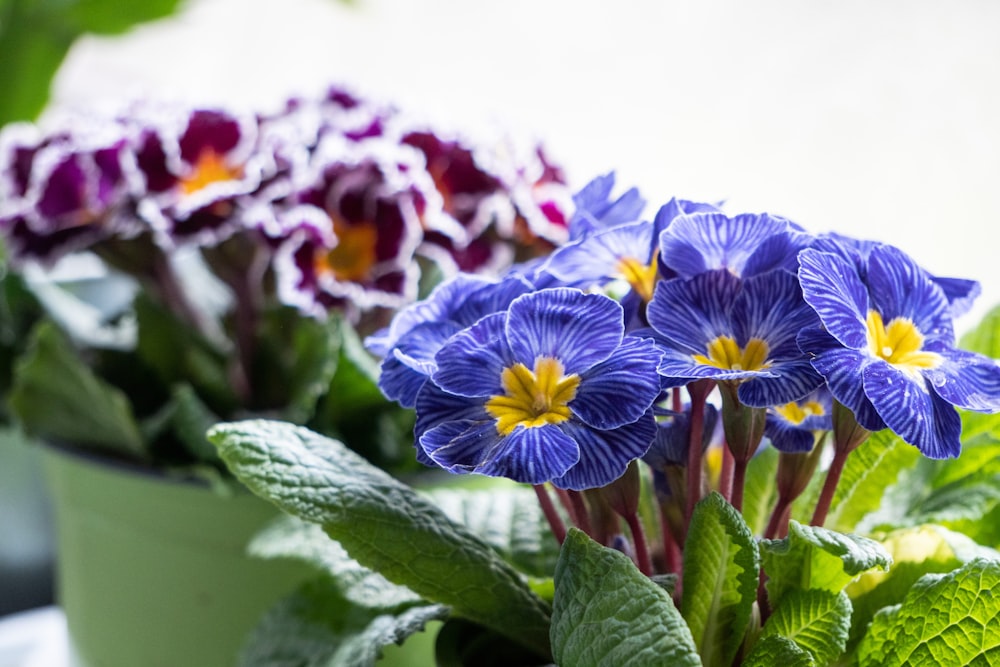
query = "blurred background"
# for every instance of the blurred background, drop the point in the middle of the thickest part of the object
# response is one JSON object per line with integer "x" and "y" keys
{"x": 878, "y": 120}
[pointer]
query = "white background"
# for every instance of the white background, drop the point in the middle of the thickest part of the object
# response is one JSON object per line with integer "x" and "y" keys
{"x": 875, "y": 119}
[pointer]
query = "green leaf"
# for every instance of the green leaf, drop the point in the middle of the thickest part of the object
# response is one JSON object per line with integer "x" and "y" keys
{"x": 56, "y": 396}
{"x": 985, "y": 337}
{"x": 760, "y": 492}
{"x": 290, "y": 537}
{"x": 461, "y": 643}
{"x": 33, "y": 42}
{"x": 816, "y": 558}
{"x": 383, "y": 524}
{"x": 870, "y": 469}
{"x": 179, "y": 355}
{"x": 608, "y": 613}
{"x": 315, "y": 627}
{"x": 945, "y": 619}
{"x": 777, "y": 650}
{"x": 355, "y": 410}
{"x": 721, "y": 574}
{"x": 817, "y": 620}
{"x": 113, "y": 17}
{"x": 316, "y": 347}
{"x": 190, "y": 420}
{"x": 509, "y": 519}
{"x": 915, "y": 552}
{"x": 35, "y": 36}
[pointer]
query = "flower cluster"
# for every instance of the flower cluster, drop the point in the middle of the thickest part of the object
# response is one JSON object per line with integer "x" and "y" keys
{"x": 331, "y": 205}
{"x": 567, "y": 370}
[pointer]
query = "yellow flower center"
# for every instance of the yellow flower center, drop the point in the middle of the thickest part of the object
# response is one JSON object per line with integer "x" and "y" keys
{"x": 354, "y": 255}
{"x": 533, "y": 398}
{"x": 210, "y": 168}
{"x": 724, "y": 352}
{"x": 796, "y": 413}
{"x": 642, "y": 277}
{"x": 899, "y": 343}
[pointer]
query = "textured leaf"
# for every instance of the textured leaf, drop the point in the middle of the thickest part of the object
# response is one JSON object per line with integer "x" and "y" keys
{"x": 817, "y": 620}
{"x": 509, "y": 519}
{"x": 56, "y": 396}
{"x": 760, "y": 493}
{"x": 290, "y": 537}
{"x": 315, "y": 627}
{"x": 721, "y": 573}
{"x": 817, "y": 558}
{"x": 608, "y": 613}
{"x": 383, "y": 524}
{"x": 945, "y": 619}
{"x": 915, "y": 552}
{"x": 777, "y": 650}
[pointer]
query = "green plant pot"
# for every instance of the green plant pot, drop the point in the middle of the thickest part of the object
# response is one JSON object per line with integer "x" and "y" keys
{"x": 151, "y": 571}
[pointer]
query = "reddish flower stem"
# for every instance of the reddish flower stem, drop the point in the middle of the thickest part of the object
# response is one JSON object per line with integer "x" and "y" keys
{"x": 694, "y": 463}
{"x": 777, "y": 527}
{"x": 840, "y": 455}
{"x": 551, "y": 515}
{"x": 639, "y": 539}
{"x": 739, "y": 481}
{"x": 580, "y": 512}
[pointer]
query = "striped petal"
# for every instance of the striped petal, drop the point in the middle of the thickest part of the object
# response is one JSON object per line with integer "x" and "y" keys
{"x": 913, "y": 412}
{"x": 777, "y": 253}
{"x": 701, "y": 242}
{"x": 832, "y": 287}
{"x": 794, "y": 380}
{"x": 604, "y": 455}
{"x": 472, "y": 361}
{"x": 532, "y": 455}
{"x": 580, "y": 330}
{"x": 690, "y": 313}
{"x": 460, "y": 446}
{"x": 407, "y": 366}
{"x": 771, "y": 308}
{"x": 900, "y": 288}
{"x": 786, "y": 437}
{"x": 631, "y": 373}
{"x": 675, "y": 364}
{"x": 842, "y": 368}
{"x": 595, "y": 260}
{"x": 967, "y": 380}
{"x": 435, "y": 407}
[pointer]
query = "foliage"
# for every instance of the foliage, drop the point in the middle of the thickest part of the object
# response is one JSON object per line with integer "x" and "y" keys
{"x": 756, "y": 550}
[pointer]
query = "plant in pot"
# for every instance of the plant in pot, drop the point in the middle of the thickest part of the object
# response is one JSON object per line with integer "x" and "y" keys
{"x": 170, "y": 266}
{"x": 725, "y": 440}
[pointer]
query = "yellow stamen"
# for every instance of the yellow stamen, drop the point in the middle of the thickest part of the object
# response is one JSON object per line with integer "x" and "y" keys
{"x": 533, "y": 398}
{"x": 354, "y": 255}
{"x": 900, "y": 343}
{"x": 209, "y": 168}
{"x": 725, "y": 353}
{"x": 796, "y": 413}
{"x": 642, "y": 277}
